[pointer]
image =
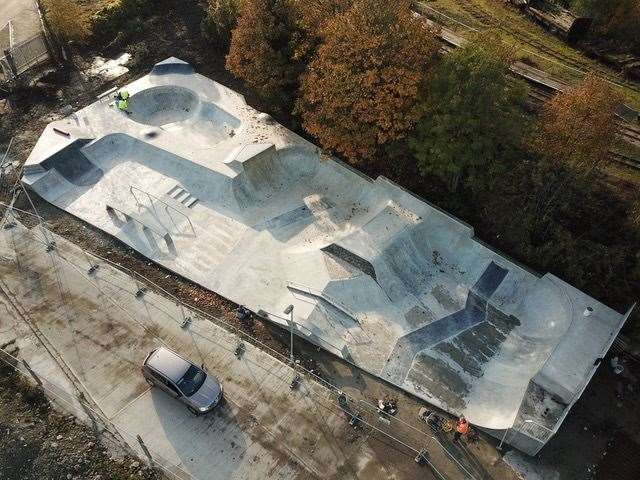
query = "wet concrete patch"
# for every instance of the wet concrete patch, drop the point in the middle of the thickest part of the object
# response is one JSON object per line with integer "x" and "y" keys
{"x": 419, "y": 316}
{"x": 439, "y": 379}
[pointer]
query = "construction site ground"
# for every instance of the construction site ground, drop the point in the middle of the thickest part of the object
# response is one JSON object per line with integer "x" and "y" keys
{"x": 102, "y": 331}
{"x": 39, "y": 442}
{"x": 577, "y": 451}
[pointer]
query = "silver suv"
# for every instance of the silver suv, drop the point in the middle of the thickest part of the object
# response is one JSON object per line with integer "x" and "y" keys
{"x": 181, "y": 379}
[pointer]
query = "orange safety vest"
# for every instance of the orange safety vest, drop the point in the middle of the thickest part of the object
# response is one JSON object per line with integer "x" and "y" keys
{"x": 462, "y": 427}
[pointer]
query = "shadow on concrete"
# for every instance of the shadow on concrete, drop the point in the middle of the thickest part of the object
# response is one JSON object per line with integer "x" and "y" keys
{"x": 173, "y": 429}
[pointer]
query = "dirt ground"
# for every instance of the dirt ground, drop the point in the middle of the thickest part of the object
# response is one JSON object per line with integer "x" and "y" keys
{"x": 596, "y": 425}
{"x": 38, "y": 443}
{"x": 600, "y": 439}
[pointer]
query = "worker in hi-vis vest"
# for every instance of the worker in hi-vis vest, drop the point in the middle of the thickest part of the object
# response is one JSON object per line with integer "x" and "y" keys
{"x": 122, "y": 100}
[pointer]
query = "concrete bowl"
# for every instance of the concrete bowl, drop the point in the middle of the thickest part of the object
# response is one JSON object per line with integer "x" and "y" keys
{"x": 163, "y": 105}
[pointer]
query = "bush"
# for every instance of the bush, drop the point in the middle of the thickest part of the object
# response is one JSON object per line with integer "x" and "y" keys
{"x": 261, "y": 51}
{"x": 221, "y": 19}
{"x": 578, "y": 128}
{"x": 67, "y": 19}
{"x": 120, "y": 17}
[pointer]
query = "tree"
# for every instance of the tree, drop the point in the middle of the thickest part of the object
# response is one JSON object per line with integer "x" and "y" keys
{"x": 221, "y": 19}
{"x": 473, "y": 115}
{"x": 311, "y": 17}
{"x": 618, "y": 20}
{"x": 67, "y": 19}
{"x": 577, "y": 129}
{"x": 362, "y": 86}
{"x": 571, "y": 139}
{"x": 261, "y": 50}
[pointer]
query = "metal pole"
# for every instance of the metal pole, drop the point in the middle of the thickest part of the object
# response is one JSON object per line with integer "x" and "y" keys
{"x": 291, "y": 332}
{"x": 503, "y": 439}
{"x": 144, "y": 448}
{"x": 289, "y": 310}
{"x": 6, "y": 153}
{"x": 44, "y": 230}
{"x": 31, "y": 372}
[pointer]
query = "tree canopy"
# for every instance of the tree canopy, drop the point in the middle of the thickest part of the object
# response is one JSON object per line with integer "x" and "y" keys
{"x": 577, "y": 129}
{"x": 473, "y": 115}
{"x": 311, "y": 17}
{"x": 362, "y": 87}
{"x": 617, "y": 20}
{"x": 261, "y": 50}
{"x": 221, "y": 19}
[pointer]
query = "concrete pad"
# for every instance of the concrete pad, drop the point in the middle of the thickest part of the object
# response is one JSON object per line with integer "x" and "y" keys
{"x": 213, "y": 446}
{"x": 102, "y": 331}
{"x": 24, "y": 18}
{"x": 199, "y": 182}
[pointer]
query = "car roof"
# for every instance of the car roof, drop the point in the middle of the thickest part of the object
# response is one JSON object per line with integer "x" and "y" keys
{"x": 168, "y": 363}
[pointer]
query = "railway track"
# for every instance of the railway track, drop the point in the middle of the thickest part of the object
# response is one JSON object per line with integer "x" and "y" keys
{"x": 623, "y": 159}
{"x": 629, "y": 133}
{"x": 487, "y": 20}
{"x": 543, "y": 88}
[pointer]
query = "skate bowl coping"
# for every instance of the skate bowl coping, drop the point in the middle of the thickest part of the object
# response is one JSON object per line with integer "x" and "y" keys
{"x": 161, "y": 105}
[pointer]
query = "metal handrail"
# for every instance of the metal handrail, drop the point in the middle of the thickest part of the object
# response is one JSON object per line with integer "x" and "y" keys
{"x": 165, "y": 236}
{"x": 548, "y": 431}
{"x": 166, "y": 205}
{"x": 316, "y": 293}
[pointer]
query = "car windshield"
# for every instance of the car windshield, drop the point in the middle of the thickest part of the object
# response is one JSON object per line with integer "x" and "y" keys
{"x": 192, "y": 381}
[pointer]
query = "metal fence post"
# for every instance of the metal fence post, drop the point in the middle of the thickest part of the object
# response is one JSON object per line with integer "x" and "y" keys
{"x": 32, "y": 373}
{"x": 502, "y": 440}
{"x": 10, "y": 62}
{"x": 144, "y": 448}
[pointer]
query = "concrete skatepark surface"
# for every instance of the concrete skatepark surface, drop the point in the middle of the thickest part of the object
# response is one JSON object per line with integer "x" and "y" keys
{"x": 201, "y": 183}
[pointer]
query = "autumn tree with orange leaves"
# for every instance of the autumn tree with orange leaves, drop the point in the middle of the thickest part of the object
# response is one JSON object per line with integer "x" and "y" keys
{"x": 261, "y": 50}
{"x": 577, "y": 129}
{"x": 311, "y": 17}
{"x": 363, "y": 86}
{"x": 572, "y": 138}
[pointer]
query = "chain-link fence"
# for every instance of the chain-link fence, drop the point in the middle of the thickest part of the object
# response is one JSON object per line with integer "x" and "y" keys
{"x": 25, "y": 43}
{"x": 414, "y": 442}
{"x": 19, "y": 58}
{"x": 76, "y": 405}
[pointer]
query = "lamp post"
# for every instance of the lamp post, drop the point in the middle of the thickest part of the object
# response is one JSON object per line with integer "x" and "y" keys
{"x": 289, "y": 311}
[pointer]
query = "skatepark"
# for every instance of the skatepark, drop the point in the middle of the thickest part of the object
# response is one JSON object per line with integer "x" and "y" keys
{"x": 201, "y": 183}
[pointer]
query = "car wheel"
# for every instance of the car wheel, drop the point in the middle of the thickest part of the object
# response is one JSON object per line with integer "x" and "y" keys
{"x": 194, "y": 411}
{"x": 150, "y": 382}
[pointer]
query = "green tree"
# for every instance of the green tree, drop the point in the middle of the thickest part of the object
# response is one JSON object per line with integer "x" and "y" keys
{"x": 261, "y": 50}
{"x": 473, "y": 115}
{"x": 361, "y": 88}
{"x": 221, "y": 19}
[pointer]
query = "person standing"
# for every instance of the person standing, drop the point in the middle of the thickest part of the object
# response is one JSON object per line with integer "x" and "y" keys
{"x": 122, "y": 100}
{"x": 462, "y": 429}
